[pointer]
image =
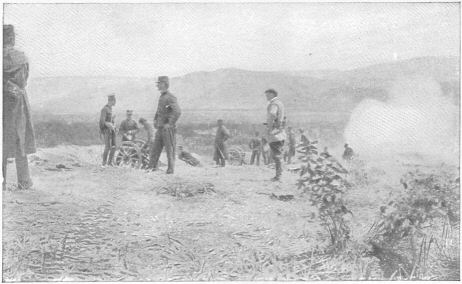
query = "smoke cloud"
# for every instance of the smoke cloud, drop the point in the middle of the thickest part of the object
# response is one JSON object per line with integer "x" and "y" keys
{"x": 416, "y": 119}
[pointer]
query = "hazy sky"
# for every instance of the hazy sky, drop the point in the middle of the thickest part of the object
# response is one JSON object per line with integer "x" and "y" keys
{"x": 174, "y": 39}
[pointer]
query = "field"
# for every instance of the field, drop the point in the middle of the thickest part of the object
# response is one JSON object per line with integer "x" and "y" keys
{"x": 207, "y": 223}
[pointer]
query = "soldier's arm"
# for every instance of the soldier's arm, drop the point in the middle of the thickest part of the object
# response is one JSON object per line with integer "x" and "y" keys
{"x": 175, "y": 111}
{"x": 102, "y": 118}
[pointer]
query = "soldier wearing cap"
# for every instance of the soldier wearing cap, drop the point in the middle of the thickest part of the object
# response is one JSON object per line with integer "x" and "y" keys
{"x": 275, "y": 129}
{"x": 18, "y": 133}
{"x": 108, "y": 130}
{"x": 168, "y": 112}
{"x": 129, "y": 128}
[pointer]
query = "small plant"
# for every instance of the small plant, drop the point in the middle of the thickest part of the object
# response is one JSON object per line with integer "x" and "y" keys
{"x": 323, "y": 179}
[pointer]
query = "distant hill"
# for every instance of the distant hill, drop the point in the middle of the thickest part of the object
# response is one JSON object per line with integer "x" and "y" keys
{"x": 235, "y": 89}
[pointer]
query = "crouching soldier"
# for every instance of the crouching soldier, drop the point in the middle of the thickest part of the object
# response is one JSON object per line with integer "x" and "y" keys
{"x": 128, "y": 128}
{"x": 187, "y": 157}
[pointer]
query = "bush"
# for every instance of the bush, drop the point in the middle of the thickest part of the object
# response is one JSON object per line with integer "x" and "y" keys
{"x": 415, "y": 220}
{"x": 321, "y": 178}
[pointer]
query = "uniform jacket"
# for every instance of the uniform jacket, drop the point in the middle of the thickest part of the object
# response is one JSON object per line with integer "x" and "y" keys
{"x": 222, "y": 134}
{"x": 274, "y": 120}
{"x": 128, "y": 125}
{"x": 105, "y": 117}
{"x": 18, "y": 131}
{"x": 255, "y": 144}
{"x": 168, "y": 110}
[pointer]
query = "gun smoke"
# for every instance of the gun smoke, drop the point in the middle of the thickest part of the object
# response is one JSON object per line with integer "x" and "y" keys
{"x": 417, "y": 119}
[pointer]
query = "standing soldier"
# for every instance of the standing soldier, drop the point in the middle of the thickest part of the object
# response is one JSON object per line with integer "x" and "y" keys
{"x": 347, "y": 153}
{"x": 128, "y": 128}
{"x": 275, "y": 128}
{"x": 108, "y": 130}
{"x": 168, "y": 112}
{"x": 256, "y": 147}
{"x": 18, "y": 133}
{"x": 221, "y": 152}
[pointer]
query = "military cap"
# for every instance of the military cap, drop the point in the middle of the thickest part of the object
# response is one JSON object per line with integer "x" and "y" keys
{"x": 129, "y": 111}
{"x": 111, "y": 96}
{"x": 272, "y": 91}
{"x": 162, "y": 79}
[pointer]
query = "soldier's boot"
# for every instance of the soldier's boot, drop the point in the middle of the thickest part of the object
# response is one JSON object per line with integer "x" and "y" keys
{"x": 111, "y": 156}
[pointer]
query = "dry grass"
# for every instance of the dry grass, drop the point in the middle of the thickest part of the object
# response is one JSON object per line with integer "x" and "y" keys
{"x": 205, "y": 223}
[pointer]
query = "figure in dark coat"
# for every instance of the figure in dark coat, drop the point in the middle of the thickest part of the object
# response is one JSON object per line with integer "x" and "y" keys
{"x": 220, "y": 154}
{"x": 168, "y": 112}
{"x": 18, "y": 132}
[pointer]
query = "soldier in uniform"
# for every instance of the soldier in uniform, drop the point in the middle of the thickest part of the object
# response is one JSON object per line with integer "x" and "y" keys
{"x": 275, "y": 129}
{"x": 108, "y": 130}
{"x": 18, "y": 133}
{"x": 347, "y": 153}
{"x": 128, "y": 128}
{"x": 256, "y": 147}
{"x": 168, "y": 112}
{"x": 149, "y": 130}
{"x": 221, "y": 151}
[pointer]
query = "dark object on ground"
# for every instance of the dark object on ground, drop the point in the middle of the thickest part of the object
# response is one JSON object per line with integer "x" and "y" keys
{"x": 61, "y": 166}
{"x": 285, "y": 197}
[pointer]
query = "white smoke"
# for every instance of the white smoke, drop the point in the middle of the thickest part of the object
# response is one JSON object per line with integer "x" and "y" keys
{"x": 416, "y": 119}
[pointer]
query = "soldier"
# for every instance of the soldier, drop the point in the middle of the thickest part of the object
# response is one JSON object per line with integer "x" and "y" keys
{"x": 18, "y": 133}
{"x": 275, "y": 128}
{"x": 348, "y": 153}
{"x": 187, "y": 157}
{"x": 108, "y": 130}
{"x": 128, "y": 128}
{"x": 149, "y": 130}
{"x": 168, "y": 112}
{"x": 221, "y": 152}
{"x": 255, "y": 146}
{"x": 303, "y": 138}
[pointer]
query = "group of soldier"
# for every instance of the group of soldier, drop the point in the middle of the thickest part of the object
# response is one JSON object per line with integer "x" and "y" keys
{"x": 167, "y": 114}
{"x": 19, "y": 138}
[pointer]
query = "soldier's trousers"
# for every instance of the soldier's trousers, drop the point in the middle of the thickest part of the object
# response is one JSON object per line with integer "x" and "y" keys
{"x": 163, "y": 138}
{"x": 109, "y": 147}
{"x": 276, "y": 153}
{"x": 22, "y": 169}
{"x": 255, "y": 157}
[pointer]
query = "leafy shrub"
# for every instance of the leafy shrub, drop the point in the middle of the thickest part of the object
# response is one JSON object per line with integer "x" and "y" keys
{"x": 321, "y": 178}
{"x": 410, "y": 223}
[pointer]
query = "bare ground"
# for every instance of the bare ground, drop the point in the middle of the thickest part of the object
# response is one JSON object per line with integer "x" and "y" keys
{"x": 207, "y": 223}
